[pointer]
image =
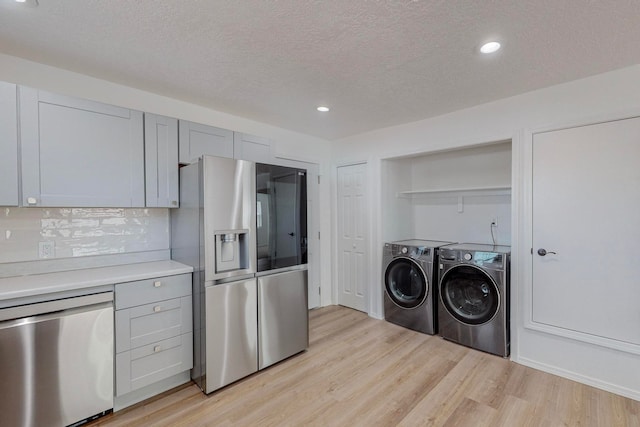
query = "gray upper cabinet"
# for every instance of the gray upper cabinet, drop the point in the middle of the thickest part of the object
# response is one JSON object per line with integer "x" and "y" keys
{"x": 8, "y": 145}
{"x": 161, "y": 161}
{"x": 197, "y": 139}
{"x": 79, "y": 153}
{"x": 251, "y": 147}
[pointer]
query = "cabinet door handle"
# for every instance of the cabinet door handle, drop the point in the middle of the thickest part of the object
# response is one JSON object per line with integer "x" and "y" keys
{"x": 157, "y": 308}
{"x": 157, "y": 284}
{"x": 157, "y": 348}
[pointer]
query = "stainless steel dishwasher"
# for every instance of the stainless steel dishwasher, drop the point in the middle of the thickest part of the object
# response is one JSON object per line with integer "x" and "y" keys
{"x": 56, "y": 361}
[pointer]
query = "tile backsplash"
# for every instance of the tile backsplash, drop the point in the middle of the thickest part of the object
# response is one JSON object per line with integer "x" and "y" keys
{"x": 28, "y": 233}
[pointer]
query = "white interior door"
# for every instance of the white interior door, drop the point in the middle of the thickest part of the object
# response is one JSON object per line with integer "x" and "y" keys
{"x": 352, "y": 236}
{"x": 586, "y": 200}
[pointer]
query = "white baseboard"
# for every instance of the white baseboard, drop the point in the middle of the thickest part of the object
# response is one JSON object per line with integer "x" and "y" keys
{"x": 594, "y": 382}
{"x": 377, "y": 316}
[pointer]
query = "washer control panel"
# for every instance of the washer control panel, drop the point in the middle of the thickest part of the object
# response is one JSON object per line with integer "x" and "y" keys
{"x": 410, "y": 251}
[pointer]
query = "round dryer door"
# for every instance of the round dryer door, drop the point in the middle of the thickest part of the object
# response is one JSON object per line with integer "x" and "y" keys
{"x": 406, "y": 283}
{"x": 469, "y": 295}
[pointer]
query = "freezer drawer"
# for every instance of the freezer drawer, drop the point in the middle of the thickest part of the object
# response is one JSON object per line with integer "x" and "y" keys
{"x": 56, "y": 361}
{"x": 283, "y": 316}
{"x": 231, "y": 335}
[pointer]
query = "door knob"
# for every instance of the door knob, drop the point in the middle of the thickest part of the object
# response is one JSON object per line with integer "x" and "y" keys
{"x": 291, "y": 234}
{"x": 543, "y": 252}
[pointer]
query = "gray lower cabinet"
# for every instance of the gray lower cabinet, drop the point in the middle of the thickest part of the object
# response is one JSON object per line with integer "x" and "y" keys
{"x": 161, "y": 161}
{"x": 251, "y": 147}
{"x": 153, "y": 328}
{"x": 8, "y": 145}
{"x": 79, "y": 153}
{"x": 198, "y": 139}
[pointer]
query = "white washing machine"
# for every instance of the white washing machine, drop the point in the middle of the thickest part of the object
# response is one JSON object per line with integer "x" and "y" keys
{"x": 408, "y": 268}
{"x": 473, "y": 303}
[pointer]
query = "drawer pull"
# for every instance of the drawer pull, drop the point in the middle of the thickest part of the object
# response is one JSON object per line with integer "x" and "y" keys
{"x": 157, "y": 284}
{"x": 157, "y": 348}
{"x": 157, "y": 308}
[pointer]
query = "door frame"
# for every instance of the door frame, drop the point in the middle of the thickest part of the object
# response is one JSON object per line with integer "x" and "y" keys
{"x": 369, "y": 303}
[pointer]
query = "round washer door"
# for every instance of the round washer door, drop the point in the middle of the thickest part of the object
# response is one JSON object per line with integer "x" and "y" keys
{"x": 469, "y": 294}
{"x": 406, "y": 282}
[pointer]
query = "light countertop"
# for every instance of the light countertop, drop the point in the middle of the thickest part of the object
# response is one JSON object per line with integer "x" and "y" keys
{"x": 49, "y": 283}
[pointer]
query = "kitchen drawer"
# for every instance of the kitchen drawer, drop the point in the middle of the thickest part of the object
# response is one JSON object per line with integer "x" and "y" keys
{"x": 146, "y": 324}
{"x": 131, "y": 294}
{"x": 146, "y": 365}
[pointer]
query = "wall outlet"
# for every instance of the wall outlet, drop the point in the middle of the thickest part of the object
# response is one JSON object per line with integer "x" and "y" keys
{"x": 494, "y": 221}
{"x": 46, "y": 249}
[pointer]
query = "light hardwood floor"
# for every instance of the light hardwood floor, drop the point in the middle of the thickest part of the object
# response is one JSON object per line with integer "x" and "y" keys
{"x": 360, "y": 371}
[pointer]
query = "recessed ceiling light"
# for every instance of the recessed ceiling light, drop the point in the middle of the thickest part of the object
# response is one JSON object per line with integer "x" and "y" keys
{"x": 323, "y": 109}
{"x": 490, "y": 47}
{"x": 30, "y": 3}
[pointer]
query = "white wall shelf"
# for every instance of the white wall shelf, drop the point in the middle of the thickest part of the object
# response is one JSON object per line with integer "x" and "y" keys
{"x": 457, "y": 192}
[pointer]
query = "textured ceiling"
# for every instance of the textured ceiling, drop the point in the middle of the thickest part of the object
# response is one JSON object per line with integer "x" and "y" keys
{"x": 376, "y": 63}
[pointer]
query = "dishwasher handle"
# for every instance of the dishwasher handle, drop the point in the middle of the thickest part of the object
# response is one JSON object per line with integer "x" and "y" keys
{"x": 40, "y": 308}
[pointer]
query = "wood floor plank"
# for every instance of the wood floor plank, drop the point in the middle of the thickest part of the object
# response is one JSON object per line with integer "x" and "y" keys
{"x": 514, "y": 411}
{"x": 472, "y": 414}
{"x": 359, "y": 371}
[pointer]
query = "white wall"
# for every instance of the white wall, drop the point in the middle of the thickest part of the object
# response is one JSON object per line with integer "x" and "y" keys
{"x": 439, "y": 219}
{"x": 397, "y": 216}
{"x": 288, "y": 144}
{"x": 466, "y": 217}
{"x": 606, "y": 96}
{"x": 458, "y": 216}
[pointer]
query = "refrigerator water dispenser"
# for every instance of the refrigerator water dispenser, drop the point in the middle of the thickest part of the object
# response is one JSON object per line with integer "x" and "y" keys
{"x": 230, "y": 246}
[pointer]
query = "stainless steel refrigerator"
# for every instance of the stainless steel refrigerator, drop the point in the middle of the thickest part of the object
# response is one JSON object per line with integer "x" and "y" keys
{"x": 242, "y": 322}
